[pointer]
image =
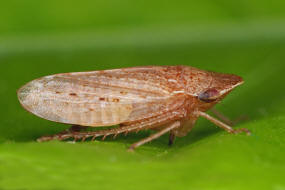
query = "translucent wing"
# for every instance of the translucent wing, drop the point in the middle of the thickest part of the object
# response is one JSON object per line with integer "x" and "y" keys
{"x": 101, "y": 98}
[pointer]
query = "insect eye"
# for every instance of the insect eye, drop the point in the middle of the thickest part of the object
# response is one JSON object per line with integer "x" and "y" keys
{"x": 209, "y": 95}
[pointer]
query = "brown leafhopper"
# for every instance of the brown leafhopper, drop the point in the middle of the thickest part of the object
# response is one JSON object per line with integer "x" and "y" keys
{"x": 162, "y": 98}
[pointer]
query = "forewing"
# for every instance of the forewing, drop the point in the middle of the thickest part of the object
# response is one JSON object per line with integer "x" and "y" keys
{"x": 102, "y": 98}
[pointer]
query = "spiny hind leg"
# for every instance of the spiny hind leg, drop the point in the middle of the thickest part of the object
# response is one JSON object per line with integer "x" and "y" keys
{"x": 72, "y": 129}
{"x": 223, "y": 125}
{"x": 77, "y": 134}
{"x": 172, "y": 126}
{"x": 126, "y": 128}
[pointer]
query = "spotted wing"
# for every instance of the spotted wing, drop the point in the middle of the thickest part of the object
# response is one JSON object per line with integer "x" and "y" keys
{"x": 101, "y": 98}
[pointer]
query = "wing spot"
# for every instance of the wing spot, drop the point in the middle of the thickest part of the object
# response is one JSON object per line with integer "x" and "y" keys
{"x": 72, "y": 94}
{"x": 90, "y": 109}
{"x": 115, "y": 100}
{"x": 123, "y": 92}
{"x": 102, "y": 99}
{"x": 57, "y": 92}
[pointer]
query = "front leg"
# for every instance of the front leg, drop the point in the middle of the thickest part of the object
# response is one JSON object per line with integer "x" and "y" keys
{"x": 226, "y": 120}
{"x": 222, "y": 125}
{"x": 222, "y": 117}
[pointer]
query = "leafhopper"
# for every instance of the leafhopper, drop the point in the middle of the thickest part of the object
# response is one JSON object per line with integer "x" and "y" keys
{"x": 167, "y": 99}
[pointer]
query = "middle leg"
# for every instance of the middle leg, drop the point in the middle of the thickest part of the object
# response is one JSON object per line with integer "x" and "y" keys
{"x": 174, "y": 125}
{"x": 171, "y": 138}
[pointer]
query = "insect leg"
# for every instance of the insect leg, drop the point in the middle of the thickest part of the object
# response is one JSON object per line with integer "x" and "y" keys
{"x": 226, "y": 120}
{"x": 72, "y": 129}
{"x": 76, "y": 135}
{"x": 144, "y": 124}
{"x": 155, "y": 136}
{"x": 223, "y": 125}
{"x": 171, "y": 138}
{"x": 222, "y": 117}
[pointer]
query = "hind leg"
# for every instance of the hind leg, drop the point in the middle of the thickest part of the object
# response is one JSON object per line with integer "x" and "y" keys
{"x": 76, "y": 134}
{"x": 72, "y": 129}
{"x": 137, "y": 126}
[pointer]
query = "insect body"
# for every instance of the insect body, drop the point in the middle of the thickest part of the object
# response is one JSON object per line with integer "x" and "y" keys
{"x": 162, "y": 98}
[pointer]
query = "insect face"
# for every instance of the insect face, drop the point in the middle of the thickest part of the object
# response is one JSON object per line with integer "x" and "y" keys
{"x": 209, "y": 86}
{"x": 220, "y": 85}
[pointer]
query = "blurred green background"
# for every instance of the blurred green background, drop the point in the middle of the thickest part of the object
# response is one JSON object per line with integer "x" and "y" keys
{"x": 246, "y": 38}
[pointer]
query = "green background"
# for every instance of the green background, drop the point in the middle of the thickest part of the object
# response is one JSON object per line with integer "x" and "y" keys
{"x": 244, "y": 37}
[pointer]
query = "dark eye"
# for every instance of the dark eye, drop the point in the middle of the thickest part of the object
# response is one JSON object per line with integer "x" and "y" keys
{"x": 209, "y": 95}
